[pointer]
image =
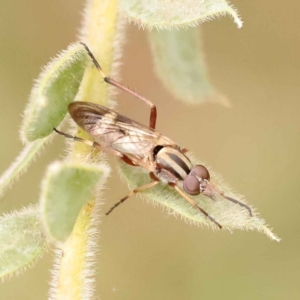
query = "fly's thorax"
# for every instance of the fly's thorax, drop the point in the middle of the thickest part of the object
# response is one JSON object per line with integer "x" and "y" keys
{"x": 170, "y": 160}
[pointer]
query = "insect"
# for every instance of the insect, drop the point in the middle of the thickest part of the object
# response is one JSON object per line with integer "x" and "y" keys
{"x": 139, "y": 145}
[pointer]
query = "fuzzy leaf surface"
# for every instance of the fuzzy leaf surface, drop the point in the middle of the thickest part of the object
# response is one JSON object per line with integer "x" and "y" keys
{"x": 56, "y": 87}
{"x": 65, "y": 189}
{"x": 22, "y": 240}
{"x": 231, "y": 216}
{"x": 176, "y": 13}
{"x": 179, "y": 63}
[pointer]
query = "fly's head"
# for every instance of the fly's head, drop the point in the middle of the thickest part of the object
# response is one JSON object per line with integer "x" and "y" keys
{"x": 196, "y": 181}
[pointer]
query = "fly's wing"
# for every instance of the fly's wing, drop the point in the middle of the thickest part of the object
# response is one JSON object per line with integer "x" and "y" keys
{"x": 110, "y": 129}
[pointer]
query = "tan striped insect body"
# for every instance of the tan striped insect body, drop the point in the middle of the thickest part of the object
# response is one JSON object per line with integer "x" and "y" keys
{"x": 139, "y": 145}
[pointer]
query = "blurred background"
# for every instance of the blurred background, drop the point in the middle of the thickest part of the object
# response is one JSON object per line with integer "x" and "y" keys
{"x": 255, "y": 145}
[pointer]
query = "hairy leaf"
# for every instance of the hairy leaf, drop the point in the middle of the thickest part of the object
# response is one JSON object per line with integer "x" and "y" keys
{"x": 55, "y": 88}
{"x": 66, "y": 188}
{"x": 22, "y": 240}
{"x": 229, "y": 215}
{"x": 176, "y": 13}
{"x": 179, "y": 63}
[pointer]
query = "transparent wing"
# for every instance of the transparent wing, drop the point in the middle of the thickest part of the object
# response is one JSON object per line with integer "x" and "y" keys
{"x": 110, "y": 129}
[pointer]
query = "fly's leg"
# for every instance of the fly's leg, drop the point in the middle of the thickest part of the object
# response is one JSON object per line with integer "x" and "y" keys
{"x": 90, "y": 143}
{"x": 194, "y": 204}
{"x": 136, "y": 190}
{"x": 128, "y": 161}
{"x": 153, "y": 112}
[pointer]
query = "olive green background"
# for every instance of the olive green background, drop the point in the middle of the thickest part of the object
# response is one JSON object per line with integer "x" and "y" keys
{"x": 255, "y": 145}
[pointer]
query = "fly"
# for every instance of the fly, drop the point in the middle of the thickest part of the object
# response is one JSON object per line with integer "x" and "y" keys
{"x": 139, "y": 145}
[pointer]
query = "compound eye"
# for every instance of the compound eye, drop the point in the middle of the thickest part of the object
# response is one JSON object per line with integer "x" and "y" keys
{"x": 191, "y": 185}
{"x": 201, "y": 172}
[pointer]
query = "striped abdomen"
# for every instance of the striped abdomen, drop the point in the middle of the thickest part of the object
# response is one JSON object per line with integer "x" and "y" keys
{"x": 173, "y": 161}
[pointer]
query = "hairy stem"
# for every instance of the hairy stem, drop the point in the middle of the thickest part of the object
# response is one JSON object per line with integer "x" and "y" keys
{"x": 100, "y": 31}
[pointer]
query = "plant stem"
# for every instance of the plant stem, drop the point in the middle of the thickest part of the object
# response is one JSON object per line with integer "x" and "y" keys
{"x": 100, "y": 31}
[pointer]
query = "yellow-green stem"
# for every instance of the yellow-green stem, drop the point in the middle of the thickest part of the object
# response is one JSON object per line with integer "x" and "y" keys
{"x": 99, "y": 32}
{"x": 71, "y": 278}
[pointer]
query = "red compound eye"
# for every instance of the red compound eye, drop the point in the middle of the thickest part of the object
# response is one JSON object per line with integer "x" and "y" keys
{"x": 191, "y": 185}
{"x": 201, "y": 172}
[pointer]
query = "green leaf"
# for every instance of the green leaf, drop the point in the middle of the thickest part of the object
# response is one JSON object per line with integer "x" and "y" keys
{"x": 20, "y": 165}
{"x": 231, "y": 216}
{"x": 176, "y": 13}
{"x": 179, "y": 63}
{"x": 22, "y": 240}
{"x": 65, "y": 189}
{"x": 55, "y": 88}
